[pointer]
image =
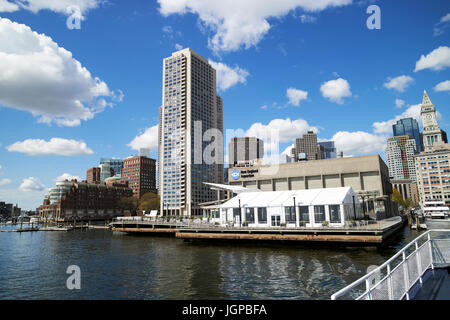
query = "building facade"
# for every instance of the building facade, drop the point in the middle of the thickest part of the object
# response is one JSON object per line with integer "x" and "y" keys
{"x": 190, "y": 116}
{"x": 115, "y": 164}
{"x": 245, "y": 149}
{"x": 140, "y": 173}
{"x": 105, "y": 171}
{"x": 407, "y": 188}
{"x": 408, "y": 127}
{"x": 307, "y": 148}
{"x": 433, "y": 172}
{"x": 93, "y": 175}
{"x": 73, "y": 200}
{"x": 367, "y": 175}
{"x": 400, "y": 151}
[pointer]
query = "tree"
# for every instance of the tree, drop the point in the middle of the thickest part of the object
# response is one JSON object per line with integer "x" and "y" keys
{"x": 128, "y": 203}
{"x": 149, "y": 201}
{"x": 407, "y": 204}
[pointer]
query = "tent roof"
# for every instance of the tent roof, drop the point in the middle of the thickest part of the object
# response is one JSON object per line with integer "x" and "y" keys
{"x": 286, "y": 198}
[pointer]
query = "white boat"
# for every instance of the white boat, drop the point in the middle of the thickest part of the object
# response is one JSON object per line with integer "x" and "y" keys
{"x": 435, "y": 210}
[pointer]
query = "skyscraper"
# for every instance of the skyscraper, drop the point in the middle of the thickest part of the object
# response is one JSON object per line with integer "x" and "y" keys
{"x": 307, "y": 148}
{"x": 400, "y": 153}
{"x": 329, "y": 149}
{"x": 140, "y": 172}
{"x": 245, "y": 149}
{"x": 190, "y": 109}
{"x": 409, "y": 127}
{"x": 115, "y": 164}
{"x": 431, "y": 131}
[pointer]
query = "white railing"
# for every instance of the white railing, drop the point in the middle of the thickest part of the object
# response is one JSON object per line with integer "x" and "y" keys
{"x": 394, "y": 279}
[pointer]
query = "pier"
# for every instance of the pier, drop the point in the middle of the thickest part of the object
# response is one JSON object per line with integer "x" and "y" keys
{"x": 367, "y": 235}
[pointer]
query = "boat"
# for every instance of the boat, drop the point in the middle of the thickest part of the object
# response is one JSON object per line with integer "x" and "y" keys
{"x": 419, "y": 271}
{"x": 435, "y": 210}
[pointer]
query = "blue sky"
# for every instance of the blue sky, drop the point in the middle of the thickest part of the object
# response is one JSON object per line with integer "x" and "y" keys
{"x": 348, "y": 83}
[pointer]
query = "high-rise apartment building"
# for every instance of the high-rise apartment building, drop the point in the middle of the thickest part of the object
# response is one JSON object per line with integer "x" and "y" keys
{"x": 408, "y": 127}
{"x": 329, "y": 149}
{"x": 93, "y": 175}
{"x": 307, "y": 148}
{"x": 400, "y": 153}
{"x": 190, "y": 150}
{"x": 245, "y": 149}
{"x": 431, "y": 134}
{"x": 140, "y": 172}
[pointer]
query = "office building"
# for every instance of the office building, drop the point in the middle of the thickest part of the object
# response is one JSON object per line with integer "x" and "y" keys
{"x": 367, "y": 175}
{"x": 329, "y": 149}
{"x": 407, "y": 189}
{"x": 433, "y": 172}
{"x": 93, "y": 175}
{"x": 140, "y": 173}
{"x": 190, "y": 109}
{"x": 246, "y": 149}
{"x": 105, "y": 171}
{"x": 115, "y": 164}
{"x": 408, "y": 127}
{"x": 307, "y": 148}
{"x": 400, "y": 151}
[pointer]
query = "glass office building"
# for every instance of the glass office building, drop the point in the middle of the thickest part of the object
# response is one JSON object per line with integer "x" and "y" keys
{"x": 329, "y": 149}
{"x": 408, "y": 127}
{"x": 115, "y": 164}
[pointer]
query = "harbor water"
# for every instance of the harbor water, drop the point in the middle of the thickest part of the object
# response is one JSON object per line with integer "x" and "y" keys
{"x": 113, "y": 265}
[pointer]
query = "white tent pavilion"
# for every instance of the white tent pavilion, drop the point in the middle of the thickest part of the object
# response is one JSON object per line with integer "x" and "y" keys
{"x": 293, "y": 208}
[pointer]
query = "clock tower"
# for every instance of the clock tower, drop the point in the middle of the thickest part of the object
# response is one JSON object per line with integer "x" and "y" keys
{"x": 431, "y": 131}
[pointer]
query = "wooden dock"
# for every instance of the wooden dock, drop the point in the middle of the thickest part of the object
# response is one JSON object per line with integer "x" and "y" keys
{"x": 372, "y": 234}
{"x": 21, "y": 230}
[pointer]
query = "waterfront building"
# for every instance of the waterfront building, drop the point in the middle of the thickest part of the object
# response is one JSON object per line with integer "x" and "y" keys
{"x": 307, "y": 148}
{"x": 408, "y": 127}
{"x": 93, "y": 175}
{"x": 115, "y": 164}
{"x": 407, "y": 188}
{"x": 400, "y": 151}
{"x": 367, "y": 175}
{"x": 140, "y": 173}
{"x": 433, "y": 172}
{"x": 190, "y": 108}
{"x": 73, "y": 200}
{"x": 245, "y": 149}
{"x": 432, "y": 133}
{"x": 295, "y": 208}
{"x": 105, "y": 171}
{"x": 329, "y": 149}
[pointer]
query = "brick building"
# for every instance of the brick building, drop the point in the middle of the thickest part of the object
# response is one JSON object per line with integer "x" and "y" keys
{"x": 93, "y": 175}
{"x": 140, "y": 173}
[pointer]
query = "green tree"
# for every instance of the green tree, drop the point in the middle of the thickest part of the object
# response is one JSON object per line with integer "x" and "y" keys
{"x": 149, "y": 201}
{"x": 128, "y": 203}
{"x": 407, "y": 204}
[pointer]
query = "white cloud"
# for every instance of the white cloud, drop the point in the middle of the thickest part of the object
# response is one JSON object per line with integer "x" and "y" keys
{"x": 296, "y": 95}
{"x": 67, "y": 176}
{"x": 56, "y": 146}
{"x": 237, "y": 23}
{"x": 6, "y": 6}
{"x": 228, "y": 76}
{"x": 436, "y": 60}
{"x": 399, "y": 103}
{"x": 147, "y": 139}
{"x": 31, "y": 184}
{"x": 307, "y": 18}
{"x": 59, "y": 6}
{"x": 443, "y": 86}
{"x": 335, "y": 90}
{"x": 399, "y": 83}
{"x": 38, "y": 76}
{"x": 441, "y": 25}
{"x": 5, "y": 181}
{"x": 178, "y": 46}
{"x": 359, "y": 142}
{"x": 386, "y": 126}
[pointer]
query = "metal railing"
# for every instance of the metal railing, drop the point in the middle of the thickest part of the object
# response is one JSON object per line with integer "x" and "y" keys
{"x": 394, "y": 279}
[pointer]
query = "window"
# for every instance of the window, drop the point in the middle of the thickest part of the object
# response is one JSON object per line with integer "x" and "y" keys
{"x": 304, "y": 213}
{"x": 290, "y": 214}
{"x": 335, "y": 213}
{"x": 262, "y": 215}
{"x": 250, "y": 215}
{"x": 276, "y": 221}
{"x": 319, "y": 214}
{"x": 236, "y": 212}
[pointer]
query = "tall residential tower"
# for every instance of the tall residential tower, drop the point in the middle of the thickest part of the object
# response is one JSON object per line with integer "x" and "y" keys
{"x": 190, "y": 109}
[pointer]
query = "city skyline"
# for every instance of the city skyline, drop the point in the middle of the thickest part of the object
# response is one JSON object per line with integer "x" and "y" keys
{"x": 279, "y": 78}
